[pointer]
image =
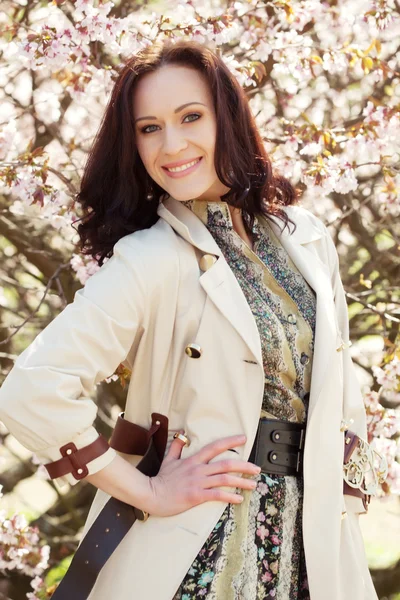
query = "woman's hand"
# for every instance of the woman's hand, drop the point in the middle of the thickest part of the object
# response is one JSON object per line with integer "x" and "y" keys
{"x": 183, "y": 483}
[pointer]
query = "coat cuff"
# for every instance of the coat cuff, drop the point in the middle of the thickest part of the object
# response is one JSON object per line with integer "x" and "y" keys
{"x": 81, "y": 440}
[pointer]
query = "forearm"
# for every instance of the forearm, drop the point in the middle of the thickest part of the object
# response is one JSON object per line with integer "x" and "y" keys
{"x": 125, "y": 482}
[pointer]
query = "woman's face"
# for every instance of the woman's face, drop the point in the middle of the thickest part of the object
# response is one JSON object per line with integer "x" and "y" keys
{"x": 167, "y": 132}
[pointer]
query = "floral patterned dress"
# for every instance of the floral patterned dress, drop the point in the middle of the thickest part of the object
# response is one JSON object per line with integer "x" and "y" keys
{"x": 255, "y": 551}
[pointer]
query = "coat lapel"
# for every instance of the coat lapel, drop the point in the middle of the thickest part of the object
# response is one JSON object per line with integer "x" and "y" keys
{"x": 219, "y": 282}
{"x": 221, "y": 285}
{"x": 317, "y": 274}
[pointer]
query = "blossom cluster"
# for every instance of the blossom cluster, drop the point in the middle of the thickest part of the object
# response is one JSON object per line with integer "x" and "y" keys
{"x": 20, "y": 547}
{"x": 308, "y": 43}
{"x": 383, "y": 424}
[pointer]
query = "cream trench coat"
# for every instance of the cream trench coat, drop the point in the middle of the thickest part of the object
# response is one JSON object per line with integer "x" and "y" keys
{"x": 142, "y": 308}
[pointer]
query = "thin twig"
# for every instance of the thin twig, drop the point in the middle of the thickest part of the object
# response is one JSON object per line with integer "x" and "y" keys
{"x": 54, "y": 276}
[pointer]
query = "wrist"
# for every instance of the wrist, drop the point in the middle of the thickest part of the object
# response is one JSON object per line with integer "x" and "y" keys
{"x": 125, "y": 482}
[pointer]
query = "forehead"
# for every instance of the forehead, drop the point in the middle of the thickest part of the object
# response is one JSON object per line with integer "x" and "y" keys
{"x": 168, "y": 87}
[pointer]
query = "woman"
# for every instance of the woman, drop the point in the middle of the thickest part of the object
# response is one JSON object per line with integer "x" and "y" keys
{"x": 224, "y": 315}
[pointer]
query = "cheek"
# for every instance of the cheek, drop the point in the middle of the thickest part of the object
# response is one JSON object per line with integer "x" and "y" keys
{"x": 145, "y": 153}
{"x": 209, "y": 135}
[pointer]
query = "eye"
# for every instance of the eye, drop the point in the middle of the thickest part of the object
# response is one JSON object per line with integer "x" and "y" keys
{"x": 145, "y": 129}
{"x": 193, "y": 115}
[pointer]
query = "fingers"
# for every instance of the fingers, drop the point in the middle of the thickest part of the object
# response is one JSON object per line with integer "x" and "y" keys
{"x": 232, "y": 466}
{"x": 226, "y": 480}
{"x": 214, "y": 448}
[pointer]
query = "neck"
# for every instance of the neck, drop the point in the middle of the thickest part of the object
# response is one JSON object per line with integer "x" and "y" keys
{"x": 236, "y": 217}
{"x": 238, "y": 225}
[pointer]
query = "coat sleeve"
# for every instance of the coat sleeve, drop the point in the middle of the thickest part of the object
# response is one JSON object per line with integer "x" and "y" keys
{"x": 353, "y": 403}
{"x": 45, "y": 399}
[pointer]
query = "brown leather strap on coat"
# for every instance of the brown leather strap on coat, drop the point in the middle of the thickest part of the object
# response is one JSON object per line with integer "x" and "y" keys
{"x": 130, "y": 438}
{"x": 75, "y": 461}
{"x": 351, "y": 440}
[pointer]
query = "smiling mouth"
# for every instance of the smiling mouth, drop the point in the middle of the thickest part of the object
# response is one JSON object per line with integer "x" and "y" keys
{"x": 184, "y": 167}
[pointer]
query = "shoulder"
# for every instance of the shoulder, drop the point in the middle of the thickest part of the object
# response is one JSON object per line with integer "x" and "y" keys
{"x": 309, "y": 227}
{"x": 305, "y": 218}
{"x": 152, "y": 253}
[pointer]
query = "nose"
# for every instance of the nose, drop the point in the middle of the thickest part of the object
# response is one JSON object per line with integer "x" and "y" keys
{"x": 174, "y": 142}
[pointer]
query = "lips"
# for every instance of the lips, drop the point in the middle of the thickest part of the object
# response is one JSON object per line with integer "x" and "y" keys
{"x": 180, "y": 163}
{"x": 184, "y": 171}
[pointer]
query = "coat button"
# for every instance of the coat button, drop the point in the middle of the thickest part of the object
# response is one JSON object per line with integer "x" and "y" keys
{"x": 193, "y": 350}
{"x": 207, "y": 261}
{"x": 304, "y": 359}
{"x": 292, "y": 319}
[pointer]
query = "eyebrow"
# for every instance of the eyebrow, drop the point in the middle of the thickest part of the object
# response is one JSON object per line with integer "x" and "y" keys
{"x": 175, "y": 111}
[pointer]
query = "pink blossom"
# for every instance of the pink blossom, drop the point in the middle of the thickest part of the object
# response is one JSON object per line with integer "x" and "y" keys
{"x": 275, "y": 540}
{"x": 262, "y": 532}
{"x": 266, "y": 577}
{"x": 262, "y": 488}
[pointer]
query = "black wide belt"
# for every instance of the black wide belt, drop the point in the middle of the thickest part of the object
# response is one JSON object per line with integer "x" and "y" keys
{"x": 279, "y": 446}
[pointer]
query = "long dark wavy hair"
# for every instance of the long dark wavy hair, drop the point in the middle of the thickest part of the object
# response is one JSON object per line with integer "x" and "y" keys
{"x": 115, "y": 182}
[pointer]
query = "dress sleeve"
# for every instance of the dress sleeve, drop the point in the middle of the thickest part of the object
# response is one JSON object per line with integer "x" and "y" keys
{"x": 353, "y": 403}
{"x": 45, "y": 399}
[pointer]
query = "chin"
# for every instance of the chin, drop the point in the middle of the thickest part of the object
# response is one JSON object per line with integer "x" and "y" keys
{"x": 183, "y": 197}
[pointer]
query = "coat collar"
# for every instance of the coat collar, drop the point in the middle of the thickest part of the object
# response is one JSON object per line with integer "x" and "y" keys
{"x": 221, "y": 285}
{"x": 191, "y": 228}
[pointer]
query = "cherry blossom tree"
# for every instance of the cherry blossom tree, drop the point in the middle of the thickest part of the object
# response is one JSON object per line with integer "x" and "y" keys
{"x": 323, "y": 82}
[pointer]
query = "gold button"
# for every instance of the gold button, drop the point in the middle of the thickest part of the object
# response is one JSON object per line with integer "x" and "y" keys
{"x": 207, "y": 261}
{"x": 193, "y": 350}
{"x": 142, "y": 515}
{"x": 344, "y": 515}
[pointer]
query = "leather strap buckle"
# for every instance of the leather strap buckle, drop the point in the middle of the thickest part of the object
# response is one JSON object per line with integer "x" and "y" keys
{"x": 75, "y": 461}
{"x": 78, "y": 468}
{"x": 291, "y": 438}
{"x": 278, "y": 447}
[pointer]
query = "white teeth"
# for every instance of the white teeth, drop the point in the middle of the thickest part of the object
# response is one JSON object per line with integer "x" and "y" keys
{"x": 183, "y": 167}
